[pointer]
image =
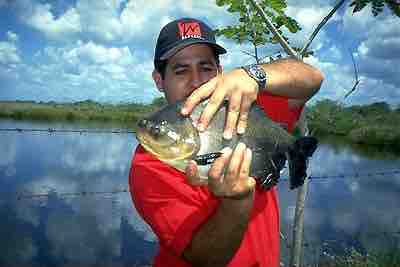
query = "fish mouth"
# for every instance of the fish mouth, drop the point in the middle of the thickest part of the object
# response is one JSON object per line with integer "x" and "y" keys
{"x": 165, "y": 152}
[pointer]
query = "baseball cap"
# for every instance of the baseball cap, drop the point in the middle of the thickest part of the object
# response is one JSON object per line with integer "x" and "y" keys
{"x": 180, "y": 33}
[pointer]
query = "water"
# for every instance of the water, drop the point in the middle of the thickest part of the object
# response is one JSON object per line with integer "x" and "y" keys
{"x": 104, "y": 229}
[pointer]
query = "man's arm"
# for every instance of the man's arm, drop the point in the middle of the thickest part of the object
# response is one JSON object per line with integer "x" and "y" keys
{"x": 293, "y": 79}
{"x": 287, "y": 77}
{"x": 217, "y": 240}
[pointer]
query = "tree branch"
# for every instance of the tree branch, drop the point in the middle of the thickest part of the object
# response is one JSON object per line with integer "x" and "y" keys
{"x": 249, "y": 54}
{"x": 288, "y": 49}
{"x": 357, "y": 81}
{"x": 320, "y": 25}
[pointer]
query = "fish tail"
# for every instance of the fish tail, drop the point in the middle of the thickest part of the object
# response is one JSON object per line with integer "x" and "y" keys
{"x": 299, "y": 152}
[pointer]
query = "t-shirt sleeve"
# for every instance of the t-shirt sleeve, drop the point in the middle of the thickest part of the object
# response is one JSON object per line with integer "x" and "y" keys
{"x": 277, "y": 109}
{"x": 173, "y": 209}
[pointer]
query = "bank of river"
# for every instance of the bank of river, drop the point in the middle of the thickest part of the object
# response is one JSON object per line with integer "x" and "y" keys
{"x": 375, "y": 124}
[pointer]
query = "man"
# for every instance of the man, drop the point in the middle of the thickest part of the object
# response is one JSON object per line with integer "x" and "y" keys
{"x": 231, "y": 221}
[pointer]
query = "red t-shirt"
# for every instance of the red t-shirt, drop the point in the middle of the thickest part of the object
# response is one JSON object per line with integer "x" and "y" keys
{"x": 175, "y": 210}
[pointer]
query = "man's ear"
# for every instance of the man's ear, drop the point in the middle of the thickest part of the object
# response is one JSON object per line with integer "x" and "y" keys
{"x": 158, "y": 80}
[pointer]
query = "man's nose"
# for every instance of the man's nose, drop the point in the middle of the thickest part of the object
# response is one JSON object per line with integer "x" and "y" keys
{"x": 197, "y": 80}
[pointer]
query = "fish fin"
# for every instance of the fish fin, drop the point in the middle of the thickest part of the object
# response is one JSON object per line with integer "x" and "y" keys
{"x": 269, "y": 180}
{"x": 298, "y": 153}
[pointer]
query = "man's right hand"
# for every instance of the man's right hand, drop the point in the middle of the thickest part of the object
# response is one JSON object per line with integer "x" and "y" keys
{"x": 228, "y": 176}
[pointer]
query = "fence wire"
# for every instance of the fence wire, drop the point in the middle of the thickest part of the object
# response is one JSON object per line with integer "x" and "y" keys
{"x": 54, "y": 130}
{"x": 312, "y": 177}
{"x": 21, "y": 196}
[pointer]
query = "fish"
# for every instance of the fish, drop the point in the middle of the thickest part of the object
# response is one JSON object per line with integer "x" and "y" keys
{"x": 174, "y": 139}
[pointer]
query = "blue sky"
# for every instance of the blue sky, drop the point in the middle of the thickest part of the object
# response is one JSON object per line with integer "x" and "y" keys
{"x": 65, "y": 50}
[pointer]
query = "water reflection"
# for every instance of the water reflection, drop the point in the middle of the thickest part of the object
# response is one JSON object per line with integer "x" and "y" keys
{"x": 105, "y": 229}
{"x": 101, "y": 229}
{"x": 359, "y": 211}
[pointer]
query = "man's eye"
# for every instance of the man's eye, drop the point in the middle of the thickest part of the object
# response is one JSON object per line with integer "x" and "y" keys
{"x": 208, "y": 69}
{"x": 180, "y": 71}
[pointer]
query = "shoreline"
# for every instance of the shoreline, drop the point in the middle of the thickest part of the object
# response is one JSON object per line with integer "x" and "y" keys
{"x": 373, "y": 124}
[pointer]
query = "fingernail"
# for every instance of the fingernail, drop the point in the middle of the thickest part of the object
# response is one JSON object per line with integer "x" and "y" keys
{"x": 200, "y": 127}
{"x": 251, "y": 182}
{"x": 241, "y": 145}
{"x": 248, "y": 152}
{"x": 184, "y": 111}
{"x": 227, "y": 135}
{"x": 241, "y": 130}
{"x": 226, "y": 150}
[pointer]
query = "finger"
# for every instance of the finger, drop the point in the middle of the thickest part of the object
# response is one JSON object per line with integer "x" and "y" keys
{"x": 198, "y": 95}
{"x": 232, "y": 114}
{"x": 215, "y": 174}
{"x": 247, "y": 182}
{"x": 246, "y": 163}
{"x": 210, "y": 109}
{"x": 217, "y": 168}
{"x": 245, "y": 186}
{"x": 232, "y": 172}
{"x": 244, "y": 114}
{"x": 193, "y": 176}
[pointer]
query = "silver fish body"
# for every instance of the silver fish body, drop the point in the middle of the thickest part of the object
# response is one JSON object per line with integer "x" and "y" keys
{"x": 174, "y": 139}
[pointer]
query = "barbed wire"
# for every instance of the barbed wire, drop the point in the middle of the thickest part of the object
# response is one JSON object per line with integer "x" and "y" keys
{"x": 312, "y": 177}
{"x": 21, "y": 196}
{"x": 355, "y": 175}
{"x": 54, "y": 130}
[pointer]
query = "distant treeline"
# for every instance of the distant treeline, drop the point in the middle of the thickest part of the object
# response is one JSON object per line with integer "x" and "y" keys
{"x": 373, "y": 124}
{"x": 376, "y": 123}
{"x": 87, "y": 110}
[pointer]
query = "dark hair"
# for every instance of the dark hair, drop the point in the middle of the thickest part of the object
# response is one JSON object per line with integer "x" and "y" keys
{"x": 161, "y": 65}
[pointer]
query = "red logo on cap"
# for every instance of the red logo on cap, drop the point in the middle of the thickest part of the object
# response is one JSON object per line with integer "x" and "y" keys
{"x": 189, "y": 30}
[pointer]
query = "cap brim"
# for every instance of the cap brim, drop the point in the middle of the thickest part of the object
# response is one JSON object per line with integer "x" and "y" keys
{"x": 219, "y": 49}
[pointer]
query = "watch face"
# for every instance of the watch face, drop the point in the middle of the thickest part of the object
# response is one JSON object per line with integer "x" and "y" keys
{"x": 258, "y": 72}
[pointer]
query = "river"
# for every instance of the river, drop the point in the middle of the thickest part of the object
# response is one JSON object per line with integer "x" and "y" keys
{"x": 352, "y": 200}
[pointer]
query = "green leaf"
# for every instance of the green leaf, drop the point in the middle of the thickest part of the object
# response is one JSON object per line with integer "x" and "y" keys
{"x": 394, "y": 7}
{"x": 277, "y": 5}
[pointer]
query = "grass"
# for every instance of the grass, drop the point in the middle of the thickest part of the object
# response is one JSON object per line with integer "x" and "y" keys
{"x": 374, "y": 124}
{"x": 356, "y": 259}
{"x": 78, "y": 111}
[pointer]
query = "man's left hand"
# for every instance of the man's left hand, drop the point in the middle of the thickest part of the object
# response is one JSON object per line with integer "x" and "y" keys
{"x": 237, "y": 87}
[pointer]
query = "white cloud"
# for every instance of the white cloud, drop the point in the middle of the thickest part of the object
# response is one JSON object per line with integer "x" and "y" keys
{"x": 338, "y": 79}
{"x": 9, "y": 54}
{"x": 42, "y": 19}
{"x": 93, "y": 53}
{"x": 12, "y": 37}
{"x": 88, "y": 70}
{"x": 358, "y": 24}
{"x": 114, "y": 58}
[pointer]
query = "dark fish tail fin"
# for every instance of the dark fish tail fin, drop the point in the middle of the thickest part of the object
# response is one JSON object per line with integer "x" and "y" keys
{"x": 299, "y": 152}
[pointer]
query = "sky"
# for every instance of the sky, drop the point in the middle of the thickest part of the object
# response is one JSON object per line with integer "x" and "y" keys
{"x": 102, "y": 50}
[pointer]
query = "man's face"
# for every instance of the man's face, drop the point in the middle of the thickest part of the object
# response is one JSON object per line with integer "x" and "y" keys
{"x": 187, "y": 70}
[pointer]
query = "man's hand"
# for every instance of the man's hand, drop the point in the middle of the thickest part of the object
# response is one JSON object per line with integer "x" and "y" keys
{"x": 229, "y": 174}
{"x": 235, "y": 86}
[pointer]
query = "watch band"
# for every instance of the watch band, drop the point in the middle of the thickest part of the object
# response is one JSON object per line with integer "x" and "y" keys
{"x": 257, "y": 73}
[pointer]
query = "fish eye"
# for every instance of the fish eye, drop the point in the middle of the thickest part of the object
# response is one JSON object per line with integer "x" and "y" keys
{"x": 142, "y": 123}
{"x": 155, "y": 130}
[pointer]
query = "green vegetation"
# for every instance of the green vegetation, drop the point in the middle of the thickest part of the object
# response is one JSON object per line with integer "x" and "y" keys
{"x": 374, "y": 124}
{"x": 356, "y": 259}
{"x": 79, "y": 111}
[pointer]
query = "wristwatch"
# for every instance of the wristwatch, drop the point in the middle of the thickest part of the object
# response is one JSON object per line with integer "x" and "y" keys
{"x": 258, "y": 74}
